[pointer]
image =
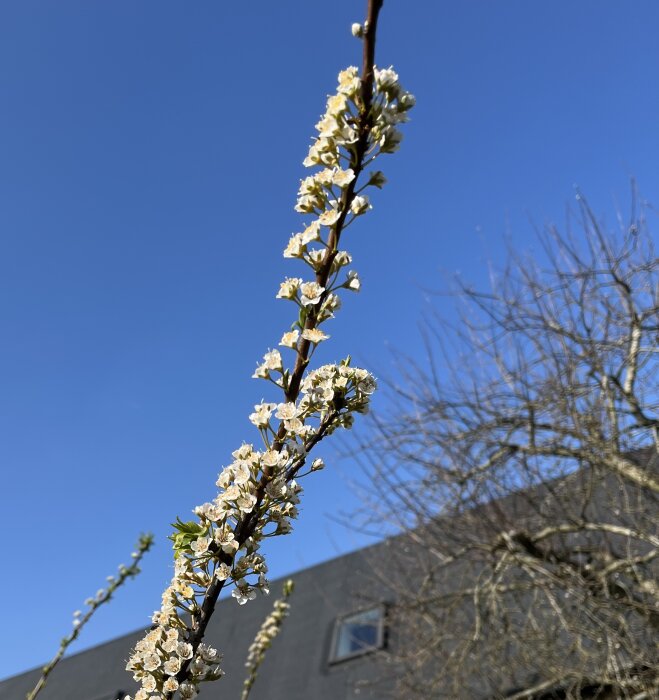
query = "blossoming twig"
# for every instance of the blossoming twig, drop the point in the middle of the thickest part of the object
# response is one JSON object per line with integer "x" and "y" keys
{"x": 265, "y": 636}
{"x": 259, "y": 492}
{"x": 102, "y": 596}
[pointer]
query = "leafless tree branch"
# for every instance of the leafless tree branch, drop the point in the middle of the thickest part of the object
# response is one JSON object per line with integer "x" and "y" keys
{"x": 523, "y": 466}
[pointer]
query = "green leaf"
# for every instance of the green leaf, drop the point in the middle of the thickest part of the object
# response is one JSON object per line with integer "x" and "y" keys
{"x": 189, "y": 528}
{"x": 187, "y": 533}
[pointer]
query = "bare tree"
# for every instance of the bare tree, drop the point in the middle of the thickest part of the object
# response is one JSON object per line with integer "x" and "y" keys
{"x": 523, "y": 465}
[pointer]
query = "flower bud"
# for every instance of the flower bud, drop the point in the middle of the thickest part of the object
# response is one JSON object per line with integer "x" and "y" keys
{"x": 377, "y": 179}
{"x": 359, "y": 205}
{"x": 317, "y": 465}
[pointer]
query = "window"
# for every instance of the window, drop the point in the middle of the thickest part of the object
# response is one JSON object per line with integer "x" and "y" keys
{"x": 358, "y": 633}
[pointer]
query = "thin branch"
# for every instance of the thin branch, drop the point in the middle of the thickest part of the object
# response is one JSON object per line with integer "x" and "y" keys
{"x": 103, "y": 596}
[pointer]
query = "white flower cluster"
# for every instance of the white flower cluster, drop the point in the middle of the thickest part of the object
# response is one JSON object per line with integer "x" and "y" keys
{"x": 158, "y": 657}
{"x": 264, "y": 637}
{"x": 256, "y": 484}
{"x": 259, "y": 493}
{"x": 342, "y": 150}
{"x": 338, "y": 130}
{"x": 267, "y": 632}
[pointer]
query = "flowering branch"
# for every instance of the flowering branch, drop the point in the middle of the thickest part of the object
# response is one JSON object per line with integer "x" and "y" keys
{"x": 259, "y": 492}
{"x": 265, "y": 636}
{"x": 102, "y": 596}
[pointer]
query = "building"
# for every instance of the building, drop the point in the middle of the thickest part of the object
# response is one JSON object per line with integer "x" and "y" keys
{"x": 350, "y": 623}
{"x": 323, "y": 652}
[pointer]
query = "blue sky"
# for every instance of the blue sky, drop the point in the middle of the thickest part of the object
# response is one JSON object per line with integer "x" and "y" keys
{"x": 149, "y": 159}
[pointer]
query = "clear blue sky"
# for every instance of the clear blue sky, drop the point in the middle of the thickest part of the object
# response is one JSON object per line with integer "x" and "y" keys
{"x": 149, "y": 159}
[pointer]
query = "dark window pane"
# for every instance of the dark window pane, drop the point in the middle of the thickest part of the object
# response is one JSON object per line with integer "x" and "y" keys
{"x": 358, "y": 633}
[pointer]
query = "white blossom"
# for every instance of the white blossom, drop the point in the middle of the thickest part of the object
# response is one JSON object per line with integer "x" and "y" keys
{"x": 225, "y": 539}
{"x": 262, "y": 413}
{"x": 151, "y": 662}
{"x": 295, "y": 248}
{"x": 273, "y": 458}
{"x": 246, "y": 502}
{"x": 385, "y": 78}
{"x": 337, "y": 105}
{"x": 272, "y": 362}
{"x": 330, "y": 216}
{"x": 311, "y": 293}
{"x": 184, "y": 650}
{"x": 342, "y": 178}
{"x": 289, "y": 339}
{"x": 172, "y": 666}
{"x": 310, "y": 233}
{"x": 359, "y": 205}
{"x": 170, "y": 685}
{"x": 187, "y": 690}
{"x": 352, "y": 281}
{"x": 242, "y": 474}
{"x": 243, "y": 593}
{"x": 149, "y": 683}
{"x": 222, "y": 572}
{"x": 288, "y": 288}
{"x": 314, "y": 335}
{"x": 349, "y": 82}
{"x": 200, "y": 545}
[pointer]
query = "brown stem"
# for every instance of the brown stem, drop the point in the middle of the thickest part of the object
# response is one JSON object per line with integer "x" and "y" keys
{"x": 246, "y": 527}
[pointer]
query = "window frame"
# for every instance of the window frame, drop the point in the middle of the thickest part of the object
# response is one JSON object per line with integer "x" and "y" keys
{"x": 381, "y": 630}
